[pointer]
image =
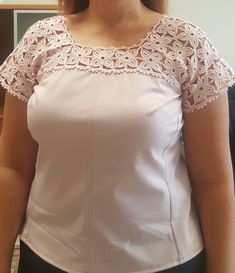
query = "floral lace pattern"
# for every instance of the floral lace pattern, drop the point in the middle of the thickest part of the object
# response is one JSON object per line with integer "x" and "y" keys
{"x": 174, "y": 50}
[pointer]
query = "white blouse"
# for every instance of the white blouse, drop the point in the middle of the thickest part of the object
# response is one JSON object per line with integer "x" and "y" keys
{"x": 111, "y": 191}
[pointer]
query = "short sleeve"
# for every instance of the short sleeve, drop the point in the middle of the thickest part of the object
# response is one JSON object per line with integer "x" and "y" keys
{"x": 19, "y": 71}
{"x": 208, "y": 74}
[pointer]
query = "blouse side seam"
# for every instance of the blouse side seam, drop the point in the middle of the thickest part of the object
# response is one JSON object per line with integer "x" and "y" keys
{"x": 168, "y": 187}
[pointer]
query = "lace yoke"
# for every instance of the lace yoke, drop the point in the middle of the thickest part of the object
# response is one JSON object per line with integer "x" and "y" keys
{"x": 174, "y": 50}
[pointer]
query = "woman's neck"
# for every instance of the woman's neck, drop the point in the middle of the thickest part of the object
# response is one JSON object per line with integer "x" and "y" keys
{"x": 115, "y": 12}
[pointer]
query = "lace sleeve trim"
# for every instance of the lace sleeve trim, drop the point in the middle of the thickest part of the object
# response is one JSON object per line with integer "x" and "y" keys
{"x": 12, "y": 91}
{"x": 208, "y": 75}
{"x": 19, "y": 70}
{"x": 191, "y": 108}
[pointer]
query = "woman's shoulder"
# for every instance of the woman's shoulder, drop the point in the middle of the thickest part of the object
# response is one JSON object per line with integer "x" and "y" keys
{"x": 40, "y": 32}
{"x": 180, "y": 38}
{"x": 42, "y": 35}
{"x": 55, "y": 21}
{"x": 45, "y": 26}
{"x": 177, "y": 27}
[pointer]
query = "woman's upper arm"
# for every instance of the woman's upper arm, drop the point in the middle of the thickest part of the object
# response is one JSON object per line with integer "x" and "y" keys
{"x": 18, "y": 150}
{"x": 206, "y": 143}
{"x": 18, "y": 75}
{"x": 205, "y": 111}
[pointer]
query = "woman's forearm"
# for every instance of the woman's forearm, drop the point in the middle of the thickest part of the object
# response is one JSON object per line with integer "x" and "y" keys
{"x": 216, "y": 208}
{"x": 13, "y": 202}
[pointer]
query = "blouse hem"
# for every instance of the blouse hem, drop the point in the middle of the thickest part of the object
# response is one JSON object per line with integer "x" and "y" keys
{"x": 150, "y": 270}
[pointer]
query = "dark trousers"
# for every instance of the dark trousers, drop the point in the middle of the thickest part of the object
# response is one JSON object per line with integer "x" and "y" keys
{"x": 30, "y": 262}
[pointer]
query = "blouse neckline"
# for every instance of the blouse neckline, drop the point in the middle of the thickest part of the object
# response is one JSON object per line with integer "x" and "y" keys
{"x": 134, "y": 45}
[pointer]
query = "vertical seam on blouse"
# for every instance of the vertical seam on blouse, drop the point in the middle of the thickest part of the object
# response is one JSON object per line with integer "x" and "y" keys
{"x": 90, "y": 177}
{"x": 168, "y": 188}
{"x": 86, "y": 266}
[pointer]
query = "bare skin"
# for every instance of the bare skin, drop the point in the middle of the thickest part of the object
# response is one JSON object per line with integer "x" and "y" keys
{"x": 97, "y": 27}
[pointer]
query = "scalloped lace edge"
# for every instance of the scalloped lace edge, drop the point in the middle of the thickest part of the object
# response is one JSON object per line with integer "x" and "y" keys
{"x": 159, "y": 76}
{"x": 10, "y": 90}
{"x": 220, "y": 93}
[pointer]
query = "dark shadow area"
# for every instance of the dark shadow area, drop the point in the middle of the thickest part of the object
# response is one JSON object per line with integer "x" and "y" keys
{"x": 231, "y": 96}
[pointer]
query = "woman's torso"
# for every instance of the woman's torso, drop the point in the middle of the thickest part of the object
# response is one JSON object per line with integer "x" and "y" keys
{"x": 111, "y": 192}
